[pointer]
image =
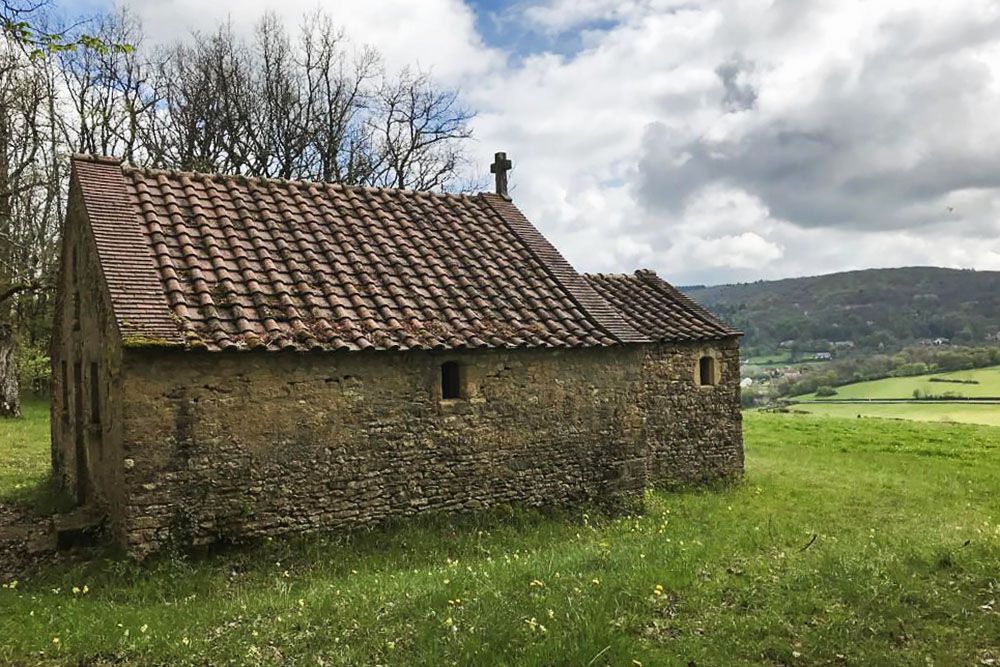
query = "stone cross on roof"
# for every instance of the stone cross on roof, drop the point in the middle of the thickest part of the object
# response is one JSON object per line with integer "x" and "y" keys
{"x": 501, "y": 165}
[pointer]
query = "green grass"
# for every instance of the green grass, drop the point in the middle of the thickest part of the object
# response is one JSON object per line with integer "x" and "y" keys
{"x": 903, "y": 387}
{"x": 926, "y": 411}
{"x": 904, "y": 570}
{"x": 756, "y": 364}
{"x": 25, "y": 458}
{"x": 989, "y": 385}
{"x": 768, "y": 359}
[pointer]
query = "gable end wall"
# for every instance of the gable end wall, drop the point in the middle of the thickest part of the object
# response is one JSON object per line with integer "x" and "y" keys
{"x": 85, "y": 451}
{"x": 693, "y": 433}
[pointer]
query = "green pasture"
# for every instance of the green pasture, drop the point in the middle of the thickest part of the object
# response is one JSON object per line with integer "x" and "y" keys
{"x": 849, "y": 542}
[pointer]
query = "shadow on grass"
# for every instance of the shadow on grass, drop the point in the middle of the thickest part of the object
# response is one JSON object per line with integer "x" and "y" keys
{"x": 38, "y": 497}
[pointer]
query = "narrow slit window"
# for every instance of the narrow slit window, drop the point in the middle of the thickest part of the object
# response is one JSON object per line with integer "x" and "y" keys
{"x": 451, "y": 385}
{"x": 82, "y": 485}
{"x": 95, "y": 395}
{"x": 65, "y": 389}
{"x": 706, "y": 371}
{"x": 74, "y": 278}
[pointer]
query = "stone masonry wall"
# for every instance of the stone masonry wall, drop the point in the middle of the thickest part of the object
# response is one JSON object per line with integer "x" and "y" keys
{"x": 221, "y": 446}
{"x": 694, "y": 431}
{"x": 86, "y": 358}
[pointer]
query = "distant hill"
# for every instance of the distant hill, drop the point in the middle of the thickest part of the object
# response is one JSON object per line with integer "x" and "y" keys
{"x": 875, "y": 309}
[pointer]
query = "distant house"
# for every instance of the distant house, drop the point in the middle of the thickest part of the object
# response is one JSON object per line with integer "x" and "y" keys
{"x": 746, "y": 382}
{"x": 822, "y": 356}
{"x": 941, "y": 341}
{"x": 237, "y": 357}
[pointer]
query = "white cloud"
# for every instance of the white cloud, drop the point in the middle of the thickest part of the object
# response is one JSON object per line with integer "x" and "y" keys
{"x": 737, "y": 139}
{"x": 562, "y": 15}
{"x": 433, "y": 34}
{"x": 717, "y": 139}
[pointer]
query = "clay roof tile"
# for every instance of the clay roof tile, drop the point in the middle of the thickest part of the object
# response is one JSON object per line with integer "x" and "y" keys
{"x": 228, "y": 262}
{"x": 658, "y": 309}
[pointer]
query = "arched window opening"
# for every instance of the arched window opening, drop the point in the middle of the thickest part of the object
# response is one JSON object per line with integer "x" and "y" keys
{"x": 451, "y": 385}
{"x": 706, "y": 371}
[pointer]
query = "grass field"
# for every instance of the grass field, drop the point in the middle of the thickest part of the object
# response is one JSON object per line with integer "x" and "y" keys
{"x": 753, "y": 366}
{"x": 850, "y": 542}
{"x": 902, "y": 388}
{"x": 25, "y": 456}
{"x": 925, "y": 411}
{"x": 988, "y": 378}
{"x": 768, "y": 359}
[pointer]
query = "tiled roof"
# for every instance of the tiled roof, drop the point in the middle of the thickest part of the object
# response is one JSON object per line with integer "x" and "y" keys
{"x": 220, "y": 262}
{"x": 126, "y": 261}
{"x": 657, "y": 309}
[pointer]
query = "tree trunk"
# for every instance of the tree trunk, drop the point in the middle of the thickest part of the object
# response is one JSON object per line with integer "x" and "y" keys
{"x": 10, "y": 399}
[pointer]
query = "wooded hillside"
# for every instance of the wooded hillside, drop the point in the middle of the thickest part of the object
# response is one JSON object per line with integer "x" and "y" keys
{"x": 875, "y": 309}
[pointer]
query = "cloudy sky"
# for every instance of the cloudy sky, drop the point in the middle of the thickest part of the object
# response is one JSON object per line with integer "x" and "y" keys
{"x": 711, "y": 140}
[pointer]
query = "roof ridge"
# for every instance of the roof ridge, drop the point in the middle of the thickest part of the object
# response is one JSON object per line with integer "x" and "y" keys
{"x": 97, "y": 159}
{"x": 605, "y": 276}
{"x": 260, "y": 180}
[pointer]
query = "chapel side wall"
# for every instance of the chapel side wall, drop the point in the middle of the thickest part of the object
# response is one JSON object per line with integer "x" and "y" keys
{"x": 85, "y": 334}
{"x": 694, "y": 433}
{"x": 225, "y": 446}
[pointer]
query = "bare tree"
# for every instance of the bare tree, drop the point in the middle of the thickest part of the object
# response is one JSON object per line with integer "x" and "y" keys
{"x": 417, "y": 132}
{"x": 205, "y": 106}
{"x": 302, "y": 106}
{"x": 312, "y": 108}
{"x": 29, "y": 196}
{"x": 109, "y": 93}
{"x": 338, "y": 85}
